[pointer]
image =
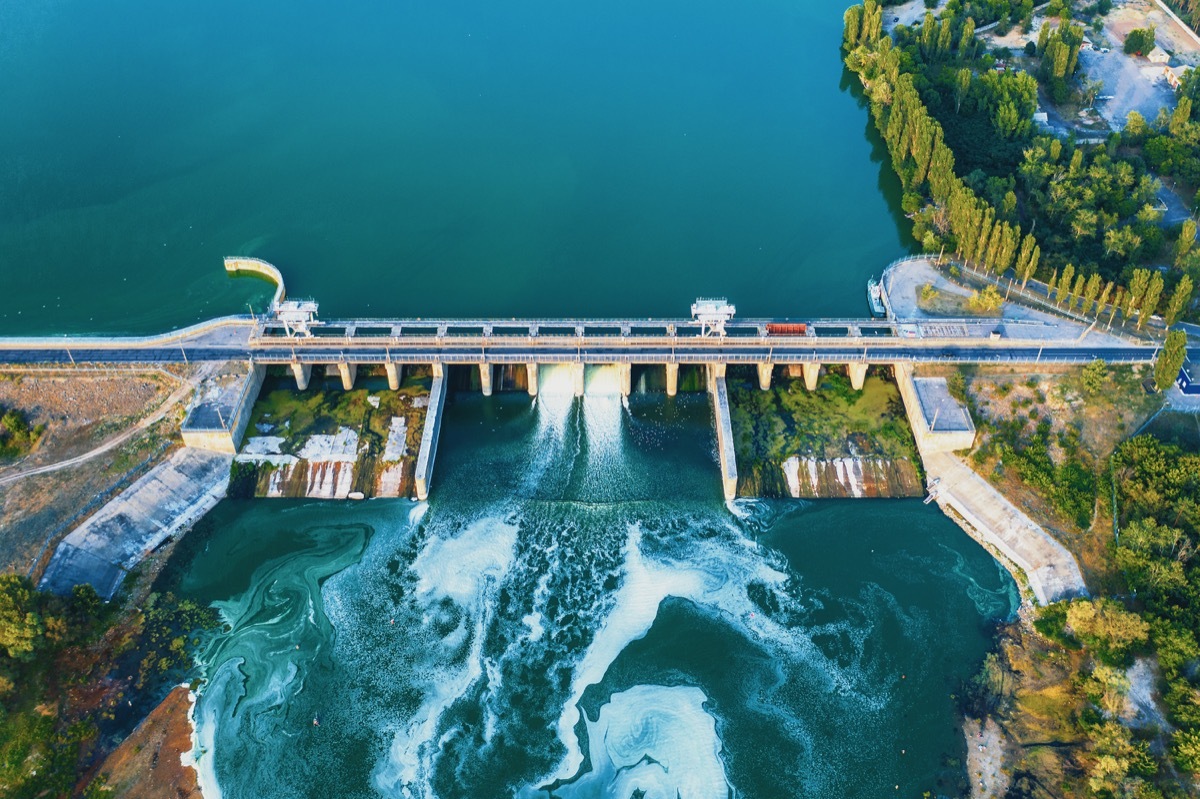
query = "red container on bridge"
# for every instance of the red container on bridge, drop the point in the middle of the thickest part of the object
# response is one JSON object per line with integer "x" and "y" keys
{"x": 787, "y": 329}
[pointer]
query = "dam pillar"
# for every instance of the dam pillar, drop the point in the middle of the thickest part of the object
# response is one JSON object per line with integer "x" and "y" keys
{"x": 485, "y": 378}
{"x": 626, "y": 372}
{"x": 531, "y": 377}
{"x": 348, "y": 371}
{"x": 577, "y": 375}
{"x": 812, "y": 374}
{"x": 672, "y": 379}
{"x": 423, "y": 472}
{"x": 438, "y": 369}
{"x": 858, "y": 374}
{"x": 716, "y": 371}
{"x": 764, "y": 375}
{"x": 725, "y": 451}
{"x": 393, "y": 375}
{"x": 302, "y": 372}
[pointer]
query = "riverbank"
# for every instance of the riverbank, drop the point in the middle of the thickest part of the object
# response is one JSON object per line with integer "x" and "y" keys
{"x": 155, "y": 760}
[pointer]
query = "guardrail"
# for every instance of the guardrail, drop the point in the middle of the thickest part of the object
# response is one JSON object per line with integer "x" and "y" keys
{"x": 128, "y": 342}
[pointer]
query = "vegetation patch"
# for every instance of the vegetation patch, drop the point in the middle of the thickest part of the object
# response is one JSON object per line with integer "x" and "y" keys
{"x": 17, "y": 436}
{"x": 835, "y": 421}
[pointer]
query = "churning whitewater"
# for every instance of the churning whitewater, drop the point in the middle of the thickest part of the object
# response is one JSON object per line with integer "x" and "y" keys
{"x": 576, "y": 614}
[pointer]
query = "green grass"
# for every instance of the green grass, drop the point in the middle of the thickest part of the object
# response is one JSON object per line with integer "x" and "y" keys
{"x": 833, "y": 421}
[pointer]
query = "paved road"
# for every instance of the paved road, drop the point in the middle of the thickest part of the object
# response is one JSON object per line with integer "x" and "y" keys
{"x": 238, "y": 339}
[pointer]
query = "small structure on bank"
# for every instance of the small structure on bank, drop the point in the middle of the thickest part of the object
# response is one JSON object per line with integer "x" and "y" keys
{"x": 1189, "y": 378}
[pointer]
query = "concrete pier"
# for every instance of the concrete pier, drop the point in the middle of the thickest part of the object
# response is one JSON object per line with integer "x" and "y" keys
{"x": 438, "y": 369}
{"x": 812, "y": 375}
{"x": 626, "y": 372}
{"x": 858, "y": 374}
{"x": 485, "y": 378}
{"x": 672, "y": 379}
{"x": 724, "y": 436}
{"x": 577, "y": 376}
{"x": 764, "y": 375}
{"x": 429, "y": 436}
{"x": 715, "y": 372}
{"x": 303, "y": 373}
{"x": 393, "y": 375}
{"x": 348, "y": 371}
{"x": 531, "y": 378}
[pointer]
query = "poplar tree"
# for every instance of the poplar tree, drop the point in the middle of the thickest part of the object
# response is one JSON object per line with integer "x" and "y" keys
{"x": 966, "y": 44}
{"x": 1170, "y": 359}
{"x": 1076, "y": 295}
{"x": 1139, "y": 282}
{"x": 1187, "y": 237}
{"x": 1091, "y": 291}
{"x": 1117, "y": 303}
{"x": 1179, "y": 300}
{"x": 1064, "y": 283}
{"x": 1026, "y": 263}
{"x": 1150, "y": 300}
{"x": 852, "y": 27}
{"x": 1103, "y": 301}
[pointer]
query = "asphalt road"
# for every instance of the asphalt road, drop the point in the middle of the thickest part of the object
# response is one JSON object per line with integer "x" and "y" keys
{"x": 598, "y": 353}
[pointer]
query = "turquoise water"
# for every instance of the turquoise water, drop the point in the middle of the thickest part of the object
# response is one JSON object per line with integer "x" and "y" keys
{"x": 432, "y": 158}
{"x": 577, "y": 614}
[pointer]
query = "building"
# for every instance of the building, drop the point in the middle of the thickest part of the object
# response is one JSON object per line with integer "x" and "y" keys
{"x": 1158, "y": 56}
{"x": 1086, "y": 44}
{"x": 1174, "y": 75}
{"x": 1189, "y": 378}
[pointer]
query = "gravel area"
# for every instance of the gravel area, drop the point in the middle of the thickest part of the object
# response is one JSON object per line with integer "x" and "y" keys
{"x": 985, "y": 759}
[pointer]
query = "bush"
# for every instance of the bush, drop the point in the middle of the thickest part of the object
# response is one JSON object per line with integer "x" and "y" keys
{"x": 1031, "y": 48}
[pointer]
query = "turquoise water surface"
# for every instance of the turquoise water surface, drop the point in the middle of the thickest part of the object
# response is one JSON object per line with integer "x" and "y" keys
{"x": 428, "y": 158}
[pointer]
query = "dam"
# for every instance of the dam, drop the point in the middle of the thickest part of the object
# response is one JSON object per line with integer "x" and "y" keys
{"x": 292, "y": 335}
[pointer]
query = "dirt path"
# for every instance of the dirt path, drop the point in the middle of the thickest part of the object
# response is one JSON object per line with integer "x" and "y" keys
{"x": 171, "y": 401}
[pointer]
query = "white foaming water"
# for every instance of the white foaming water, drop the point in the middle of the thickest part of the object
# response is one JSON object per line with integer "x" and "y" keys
{"x": 602, "y": 381}
{"x": 645, "y": 585}
{"x": 657, "y": 740}
{"x": 464, "y": 569}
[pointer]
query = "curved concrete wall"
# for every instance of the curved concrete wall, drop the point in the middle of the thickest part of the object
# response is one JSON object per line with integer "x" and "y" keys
{"x": 235, "y": 265}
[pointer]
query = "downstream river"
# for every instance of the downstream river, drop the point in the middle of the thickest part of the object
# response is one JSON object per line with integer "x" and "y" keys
{"x": 575, "y": 613}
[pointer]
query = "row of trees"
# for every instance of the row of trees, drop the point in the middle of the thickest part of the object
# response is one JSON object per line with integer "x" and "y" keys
{"x": 1095, "y": 213}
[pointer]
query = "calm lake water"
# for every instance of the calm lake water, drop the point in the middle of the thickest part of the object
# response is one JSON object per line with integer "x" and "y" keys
{"x": 575, "y": 613}
{"x": 424, "y": 158}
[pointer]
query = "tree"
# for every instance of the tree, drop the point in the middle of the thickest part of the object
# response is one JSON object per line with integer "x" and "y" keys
{"x": 1150, "y": 301}
{"x": 1179, "y": 300}
{"x": 1064, "y": 283}
{"x": 1095, "y": 376}
{"x": 1139, "y": 282}
{"x": 962, "y": 86}
{"x": 1187, "y": 237}
{"x": 1106, "y": 627}
{"x": 1091, "y": 291}
{"x": 1185, "y": 746}
{"x": 1170, "y": 359}
{"x": 21, "y": 625}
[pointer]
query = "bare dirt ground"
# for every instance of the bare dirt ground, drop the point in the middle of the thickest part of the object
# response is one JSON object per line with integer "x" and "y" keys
{"x": 1170, "y": 35}
{"x": 147, "y": 765}
{"x": 1133, "y": 83}
{"x": 80, "y": 412}
{"x": 910, "y": 13}
{"x": 985, "y": 759}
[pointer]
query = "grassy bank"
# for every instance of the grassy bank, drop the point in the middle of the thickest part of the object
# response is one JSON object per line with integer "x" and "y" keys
{"x": 835, "y": 421}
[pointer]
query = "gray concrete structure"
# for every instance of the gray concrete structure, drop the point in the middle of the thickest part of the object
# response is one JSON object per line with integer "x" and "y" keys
{"x": 725, "y": 450}
{"x": 221, "y": 409}
{"x": 393, "y": 374}
{"x": 429, "y": 436}
{"x": 162, "y": 503}
{"x": 531, "y": 378}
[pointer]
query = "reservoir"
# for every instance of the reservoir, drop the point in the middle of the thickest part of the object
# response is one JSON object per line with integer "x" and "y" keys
{"x": 421, "y": 158}
{"x": 576, "y": 612}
